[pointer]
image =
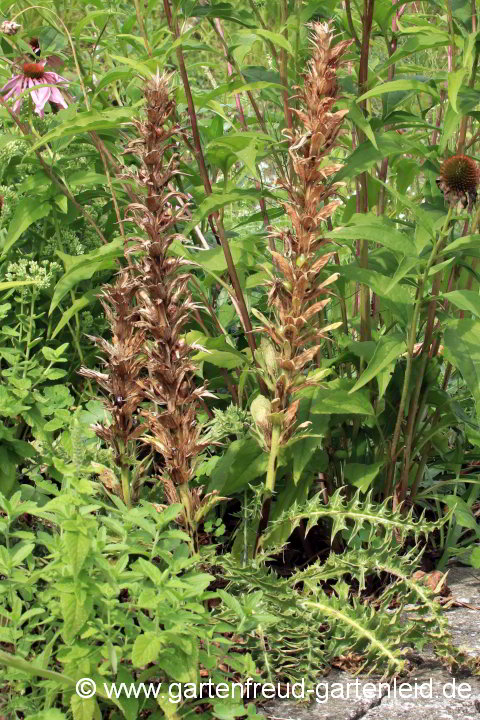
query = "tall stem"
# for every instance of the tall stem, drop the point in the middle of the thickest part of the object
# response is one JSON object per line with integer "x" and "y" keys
{"x": 269, "y": 485}
{"x": 410, "y": 350}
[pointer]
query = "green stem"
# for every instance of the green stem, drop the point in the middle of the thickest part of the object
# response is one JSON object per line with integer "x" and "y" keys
{"x": 272, "y": 460}
{"x": 13, "y": 661}
{"x": 410, "y": 348}
{"x": 29, "y": 334}
{"x": 269, "y": 485}
{"x": 125, "y": 475}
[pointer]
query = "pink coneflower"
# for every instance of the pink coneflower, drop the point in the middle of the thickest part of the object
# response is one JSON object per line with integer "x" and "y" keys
{"x": 33, "y": 74}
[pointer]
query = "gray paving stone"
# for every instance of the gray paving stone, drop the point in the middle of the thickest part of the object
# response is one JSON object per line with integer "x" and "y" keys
{"x": 429, "y": 693}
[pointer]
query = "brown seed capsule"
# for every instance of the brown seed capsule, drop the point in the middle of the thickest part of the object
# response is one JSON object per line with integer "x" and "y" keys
{"x": 459, "y": 177}
{"x": 460, "y": 173}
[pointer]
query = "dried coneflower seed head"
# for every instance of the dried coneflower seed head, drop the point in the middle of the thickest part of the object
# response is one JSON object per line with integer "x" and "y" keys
{"x": 460, "y": 173}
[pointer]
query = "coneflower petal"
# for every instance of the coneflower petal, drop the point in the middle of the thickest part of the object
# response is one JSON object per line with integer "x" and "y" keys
{"x": 40, "y": 98}
{"x": 11, "y": 83}
{"x": 54, "y": 78}
{"x": 57, "y": 97}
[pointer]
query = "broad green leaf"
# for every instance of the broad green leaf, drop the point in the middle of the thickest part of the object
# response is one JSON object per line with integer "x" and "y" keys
{"x": 242, "y": 463}
{"x": 475, "y": 557}
{"x": 400, "y": 302}
{"x": 276, "y": 38}
{"x": 7, "y": 285}
{"x": 77, "y": 547}
{"x": 376, "y": 229}
{"x": 462, "y": 349}
{"x": 468, "y": 300}
{"x": 179, "y": 665}
{"x": 366, "y": 155}
{"x": 216, "y": 201}
{"x": 357, "y": 116}
{"x": 223, "y": 10}
{"x": 113, "y": 76}
{"x": 75, "y": 612}
{"x": 467, "y": 242}
{"x": 146, "y": 649}
{"x": 27, "y": 211}
{"x": 389, "y": 348}
{"x": 422, "y": 40}
{"x": 83, "y": 267}
{"x": 87, "y": 121}
{"x": 221, "y": 358}
{"x": 397, "y": 85}
{"x": 50, "y": 714}
{"x": 450, "y": 123}
{"x": 463, "y": 512}
{"x": 82, "y": 708}
{"x": 455, "y": 82}
{"x": 19, "y": 555}
{"x": 423, "y": 218}
{"x": 145, "y": 69}
{"x": 361, "y": 476}
{"x": 75, "y": 308}
{"x": 337, "y": 401}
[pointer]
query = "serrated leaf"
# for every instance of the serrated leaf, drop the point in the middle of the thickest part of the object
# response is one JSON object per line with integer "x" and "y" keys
{"x": 82, "y": 708}
{"x": 146, "y": 649}
{"x": 77, "y": 546}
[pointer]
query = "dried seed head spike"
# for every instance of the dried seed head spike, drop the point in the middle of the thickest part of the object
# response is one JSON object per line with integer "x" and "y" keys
{"x": 458, "y": 180}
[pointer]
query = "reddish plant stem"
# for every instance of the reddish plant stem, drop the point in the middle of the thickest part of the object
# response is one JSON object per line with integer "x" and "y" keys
{"x": 247, "y": 326}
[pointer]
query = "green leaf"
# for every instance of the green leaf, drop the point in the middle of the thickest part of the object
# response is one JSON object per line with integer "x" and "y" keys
{"x": 475, "y": 557}
{"x": 357, "y": 116}
{"x": 389, "y": 347}
{"x": 463, "y": 512}
{"x": 146, "y": 649}
{"x": 455, "y": 82}
{"x": 216, "y": 201}
{"x": 366, "y": 155}
{"x": 50, "y": 714}
{"x": 376, "y": 229}
{"x": 462, "y": 349}
{"x": 401, "y": 302}
{"x": 113, "y": 76}
{"x": 232, "y": 603}
{"x": 77, "y": 546}
{"x": 83, "y": 267}
{"x": 15, "y": 283}
{"x": 179, "y": 665}
{"x": 80, "y": 303}
{"x": 336, "y": 400}
{"x": 362, "y": 476}
{"x": 275, "y": 38}
{"x": 87, "y": 121}
{"x": 242, "y": 463}
{"x": 222, "y": 10}
{"x": 75, "y": 612}
{"x": 468, "y": 300}
{"x": 400, "y": 85}
{"x": 21, "y": 553}
{"x": 82, "y": 708}
{"x": 27, "y": 211}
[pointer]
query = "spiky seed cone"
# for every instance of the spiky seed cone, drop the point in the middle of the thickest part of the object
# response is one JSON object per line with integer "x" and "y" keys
{"x": 460, "y": 174}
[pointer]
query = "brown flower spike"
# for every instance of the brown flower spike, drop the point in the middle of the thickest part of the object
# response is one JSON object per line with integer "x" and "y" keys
{"x": 149, "y": 359}
{"x": 300, "y": 287}
{"x": 299, "y": 291}
{"x": 458, "y": 180}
